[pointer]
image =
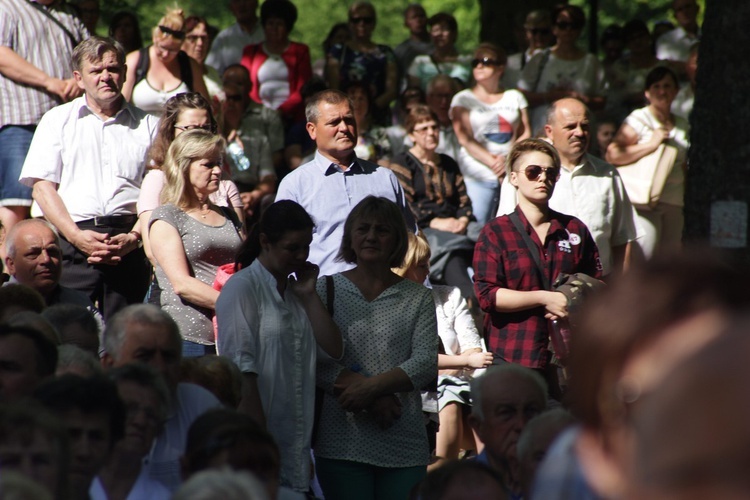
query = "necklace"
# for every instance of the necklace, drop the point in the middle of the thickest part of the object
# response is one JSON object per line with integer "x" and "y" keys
{"x": 201, "y": 212}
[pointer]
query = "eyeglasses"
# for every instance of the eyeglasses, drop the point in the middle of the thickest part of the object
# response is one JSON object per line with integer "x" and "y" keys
{"x": 485, "y": 61}
{"x": 534, "y": 171}
{"x": 185, "y": 128}
{"x": 539, "y": 31}
{"x": 365, "y": 20}
{"x": 195, "y": 38}
{"x": 564, "y": 25}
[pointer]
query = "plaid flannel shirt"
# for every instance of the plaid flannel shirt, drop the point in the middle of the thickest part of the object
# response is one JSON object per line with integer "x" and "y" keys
{"x": 502, "y": 260}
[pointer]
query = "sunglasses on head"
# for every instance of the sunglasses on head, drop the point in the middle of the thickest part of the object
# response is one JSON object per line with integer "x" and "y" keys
{"x": 179, "y": 34}
{"x": 534, "y": 171}
{"x": 366, "y": 20}
{"x": 564, "y": 25}
{"x": 485, "y": 61}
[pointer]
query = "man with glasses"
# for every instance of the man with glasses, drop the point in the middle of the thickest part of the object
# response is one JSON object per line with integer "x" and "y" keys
{"x": 538, "y": 34}
{"x": 589, "y": 188}
{"x": 85, "y": 165}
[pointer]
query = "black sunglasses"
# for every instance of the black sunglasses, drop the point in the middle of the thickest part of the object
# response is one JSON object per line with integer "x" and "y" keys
{"x": 485, "y": 61}
{"x": 534, "y": 171}
{"x": 366, "y": 20}
{"x": 564, "y": 25}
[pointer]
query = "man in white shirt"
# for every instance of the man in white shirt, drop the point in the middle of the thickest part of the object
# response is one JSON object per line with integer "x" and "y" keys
{"x": 227, "y": 47}
{"x": 675, "y": 45}
{"x": 85, "y": 164}
{"x": 589, "y": 188}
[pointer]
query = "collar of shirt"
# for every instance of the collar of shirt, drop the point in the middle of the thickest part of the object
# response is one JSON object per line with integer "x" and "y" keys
{"x": 126, "y": 110}
{"x": 327, "y": 167}
{"x": 554, "y": 226}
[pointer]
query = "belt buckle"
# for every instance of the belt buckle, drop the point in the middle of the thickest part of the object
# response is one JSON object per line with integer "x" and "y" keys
{"x": 100, "y": 221}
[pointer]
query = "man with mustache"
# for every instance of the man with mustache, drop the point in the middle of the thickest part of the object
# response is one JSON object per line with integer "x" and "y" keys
{"x": 85, "y": 165}
{"x": 589, "y": 188}
{"x": 330, "y": 185}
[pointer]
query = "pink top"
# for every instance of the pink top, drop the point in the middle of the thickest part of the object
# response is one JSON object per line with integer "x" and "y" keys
{"x": 227, "y": 196}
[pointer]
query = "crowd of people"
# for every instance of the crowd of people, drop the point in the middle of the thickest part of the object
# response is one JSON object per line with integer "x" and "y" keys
{"x": 410, "y": 272}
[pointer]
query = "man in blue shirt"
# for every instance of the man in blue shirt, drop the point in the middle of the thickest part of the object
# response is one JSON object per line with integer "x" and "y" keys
{"x": 330, "y": 185}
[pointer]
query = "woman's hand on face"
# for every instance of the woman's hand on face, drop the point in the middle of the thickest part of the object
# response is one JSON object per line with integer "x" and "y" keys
{"x": 358, "y": 395}
{"x": 304, "y": 284}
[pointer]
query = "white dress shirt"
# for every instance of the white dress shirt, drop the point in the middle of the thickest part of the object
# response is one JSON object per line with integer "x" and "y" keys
{"x": 97, "y": 164}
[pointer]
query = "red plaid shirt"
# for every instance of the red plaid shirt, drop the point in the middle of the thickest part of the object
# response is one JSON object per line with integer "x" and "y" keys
{"x": 502, "y": 260}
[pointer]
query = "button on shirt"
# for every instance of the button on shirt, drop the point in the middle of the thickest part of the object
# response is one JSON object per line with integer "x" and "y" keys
{"x": 503, "y": 260}
{"x": 594, "y": 193}
{"x": 329, "y": 193}
{"x": 98, "y": 164}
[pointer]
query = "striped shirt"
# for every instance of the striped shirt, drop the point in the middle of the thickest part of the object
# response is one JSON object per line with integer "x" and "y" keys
{"x": 41, "y": 42}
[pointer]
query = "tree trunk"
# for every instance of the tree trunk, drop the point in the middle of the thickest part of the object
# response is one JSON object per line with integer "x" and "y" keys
{"x": 718, "y": 178}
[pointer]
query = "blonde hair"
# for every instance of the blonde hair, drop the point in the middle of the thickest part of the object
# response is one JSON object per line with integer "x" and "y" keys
{"x": 417, "y": 251}
{"x": 186, "y": 148}
{"x": 174, "y": 22}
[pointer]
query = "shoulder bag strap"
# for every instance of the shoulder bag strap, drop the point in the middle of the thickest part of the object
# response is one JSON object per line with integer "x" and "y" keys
{"x": 186, "y": 70}
{"x": 330, "y": 295}
{"x": 143, "y": 62}
{"x": 532, "y": 248}
{"x": 437, "y": 66}
{"x": 542, "y": 64}
{"x": 54, "y": 20}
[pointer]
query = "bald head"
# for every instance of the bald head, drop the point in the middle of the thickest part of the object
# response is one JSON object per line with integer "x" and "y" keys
{"x": 568, "y": 129}
{"x": 34, "y": 255}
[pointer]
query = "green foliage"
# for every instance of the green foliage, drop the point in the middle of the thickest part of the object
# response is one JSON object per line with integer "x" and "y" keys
{"x": 316, "y": 17}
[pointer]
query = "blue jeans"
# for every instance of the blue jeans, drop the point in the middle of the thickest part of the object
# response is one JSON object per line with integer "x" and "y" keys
{"x": 195, "y": 350}
{"x": 485, "y": 197}
{"x": 14, "y": 144}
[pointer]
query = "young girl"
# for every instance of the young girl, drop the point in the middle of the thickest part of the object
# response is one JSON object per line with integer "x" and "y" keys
{"x": 509, "y": 283}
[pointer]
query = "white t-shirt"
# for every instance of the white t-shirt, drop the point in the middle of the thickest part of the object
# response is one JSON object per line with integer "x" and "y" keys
{"x": 273, "y": 81}
{"x": 494, "y": 126}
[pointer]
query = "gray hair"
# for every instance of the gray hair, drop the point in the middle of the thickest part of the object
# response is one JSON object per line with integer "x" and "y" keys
{"x": 10, "y": 238}
{"x": 93, "y": 49}
{"x": 330, "y": 96}
{"x": 496, "y": 373}
{"x": 143, "y": 314}
{"x": 144, "y": 376}
{"x": 73, "y": 359}
{"x": 224, "y": 483}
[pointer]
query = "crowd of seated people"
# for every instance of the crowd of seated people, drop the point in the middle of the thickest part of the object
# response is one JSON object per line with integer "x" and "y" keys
{"x": 345, "y": 292}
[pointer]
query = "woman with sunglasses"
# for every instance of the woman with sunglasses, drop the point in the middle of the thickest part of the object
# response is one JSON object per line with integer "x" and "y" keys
{"x": 162, "y": 70}
{"x": 182, "y": 113}
{"x": 359, "y": 59}
{"x": 445, "y": 59}
{"x": 487, "y": 120}
{"x": 508, "y": 281}
{"x": 564, "y": 70}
